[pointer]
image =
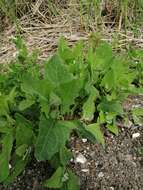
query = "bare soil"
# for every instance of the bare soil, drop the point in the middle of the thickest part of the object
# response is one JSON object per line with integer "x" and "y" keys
{"x": 118, "y": 167}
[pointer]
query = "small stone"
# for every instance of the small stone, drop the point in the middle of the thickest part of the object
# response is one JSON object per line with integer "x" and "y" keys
{"x": 111, "y": 188}
{"x": 101, "y": 174}
{"x": 135, "y": 135}
{"x": 129, "y": 157}
{"x": 85, "y": 151}
{"x": 9, "y": 166}
{"x": 93, "y": 155}
{"x": 129, "y": 124}
{"x": 84, "y": 140}
{"x": 80, "y": 159}
{"x": 15, "y": 54}
{"x": 85, "y": 170}
{"x": 71, "y": 160}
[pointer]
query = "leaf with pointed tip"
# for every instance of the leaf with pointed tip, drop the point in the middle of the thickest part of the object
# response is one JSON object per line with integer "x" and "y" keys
{"x": 137, "y": 114}
{"x": 64, "y": 50}
{"x": 19, "y": 166}
{"x": 96, "y": 131}
{"x": 24, "y": 131}
{"x": 52, "y": 136}
{"x": 108, "y": 80}
{"x": 110, "y": 106}
{"x": 103, "y": 57}
{"x": 4, "y": 109}
{"x": 7, "y": 143}
{"x": 89, "y": 105}
{"x": 34, "y": 86}
{"x": 65, "y": 156}
{"x": 73, "y": 182}
{"x": 83, "y": 133}
{"x": 56, "y": 180}
{"x": 24, "y": 104}
{"x": 68, "y": 92}
{"x": 56, "y": 72}
{"x": 113, "y": 128}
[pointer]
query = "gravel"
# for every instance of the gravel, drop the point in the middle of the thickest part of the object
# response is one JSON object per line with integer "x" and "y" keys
{"x": 119, "y": 166}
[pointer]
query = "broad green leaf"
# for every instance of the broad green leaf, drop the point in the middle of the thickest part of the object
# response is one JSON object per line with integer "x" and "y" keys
{"x": 123, "y": 75}
{"x": 78, "y": 50}
{"x": 68, "y": 54}
{"x": 56, "y": 72}
{"x": 103, "y": 57}
{"x": 64, "y": 50}
{"x": 55, "y": 161}
{"x": 89, "y": 105}
{"x": 54, "y": 99}
{"x": 70, "y": 124}
{"x": 24, "y": 131}
{"x": 110, "y": 116}
{"x": 24, "y": 104}
{"x": 109, "y": 80}
{"x": 137, "y": 114}
{"x": 7, "y": 143}
{"x": 96, "y": 131}
{"x": 73, "y": 181}
{"x": 101, "y": 119}
{"x": 68, "y": 92}
{"x": 4, "y": 109}
{"x": 113, "y": 128}
{"x": 20, "y": 151}
{"x": 44, "y": 107}
{"x": 83, "y": 133}
{"x": 56, "y": 180}
{"x": 52, "y": 136}
{"x": 110, "y": 106}
{"x": 65, "y": 156}
{"x": 5, "y": 126}
{"x": 19, "y": 166}
{"x": 2, "y": 78}
{"x": 12, "y": 95}
{"x": 34, "y": 86}
{"x": 137, "y": 111}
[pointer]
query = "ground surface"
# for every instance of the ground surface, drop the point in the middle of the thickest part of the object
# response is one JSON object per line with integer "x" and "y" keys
{"x": 118, "y": 167}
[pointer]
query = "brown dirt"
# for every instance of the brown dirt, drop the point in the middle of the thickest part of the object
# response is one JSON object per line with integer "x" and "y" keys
{"x": 118, "y": 167}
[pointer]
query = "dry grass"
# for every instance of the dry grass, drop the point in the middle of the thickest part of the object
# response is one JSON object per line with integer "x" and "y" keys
{"x": 41, "y": 27}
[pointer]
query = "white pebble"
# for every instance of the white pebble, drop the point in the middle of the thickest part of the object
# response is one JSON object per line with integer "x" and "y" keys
{"x": 84, "y": 140}
{"x": 80, "y": 159}
{"x": 10, "y": 166}
{"x": 135, "y": 135}
{"x": 85, "y": 170}
{"x": 101, "y": 174}
{"x": 71, "y": 160}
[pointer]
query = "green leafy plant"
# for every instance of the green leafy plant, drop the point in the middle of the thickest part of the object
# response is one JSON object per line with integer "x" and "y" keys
{"x": 137, "y": 114}
{"x": 79, "y": 89}
{"x": 136, "y": 56}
